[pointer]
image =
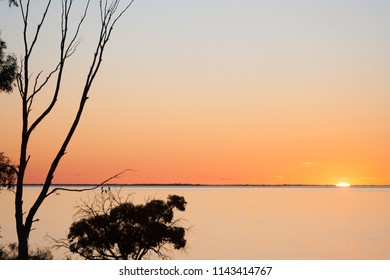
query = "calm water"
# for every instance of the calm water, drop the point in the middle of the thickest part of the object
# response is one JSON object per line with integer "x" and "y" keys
{"x": 247, "y": 223}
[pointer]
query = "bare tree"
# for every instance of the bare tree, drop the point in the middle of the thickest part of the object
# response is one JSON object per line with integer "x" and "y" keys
{"x": 29, "y": 87}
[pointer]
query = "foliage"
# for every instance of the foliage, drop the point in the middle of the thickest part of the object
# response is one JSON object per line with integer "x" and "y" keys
{"x": 10, "y": 252}
{"x": 7, "y": 172}
{"x": 8, "y": 68}
{"x": 13, "y": 3}
{"x": 116, "y": 230}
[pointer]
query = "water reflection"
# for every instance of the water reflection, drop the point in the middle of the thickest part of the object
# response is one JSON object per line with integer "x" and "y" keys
{"x": 248, "y": 223}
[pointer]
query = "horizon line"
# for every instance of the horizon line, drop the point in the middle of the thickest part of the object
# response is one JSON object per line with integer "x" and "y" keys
{"x": 209, "y": 185}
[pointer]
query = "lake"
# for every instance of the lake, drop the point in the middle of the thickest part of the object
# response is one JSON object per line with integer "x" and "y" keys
{"x": 245, "y": 222}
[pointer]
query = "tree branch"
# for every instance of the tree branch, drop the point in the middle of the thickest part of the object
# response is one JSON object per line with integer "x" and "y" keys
{"x": 89, "y": 189}
{"x": 73, "y": 43}
{"x": 60, "y": 66}
{"x": 36, "y": 90}
{"x": 39, "y": 28}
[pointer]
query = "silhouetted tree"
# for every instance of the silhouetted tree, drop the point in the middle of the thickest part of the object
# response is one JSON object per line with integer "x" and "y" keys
{"x": 8, "y": 68}
{"x": 29, "y": 86}
{"x": 8, "y": 172}
{"x": 111, "y": 229}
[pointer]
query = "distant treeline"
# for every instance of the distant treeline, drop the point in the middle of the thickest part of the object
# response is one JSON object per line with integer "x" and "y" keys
{"x": 208, "y": 185}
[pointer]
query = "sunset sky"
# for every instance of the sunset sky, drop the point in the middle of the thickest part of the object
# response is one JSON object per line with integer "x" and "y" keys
{"x": 216, "y": 92}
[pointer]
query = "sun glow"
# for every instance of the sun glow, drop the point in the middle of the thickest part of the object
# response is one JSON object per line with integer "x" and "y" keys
{"x": 343, "y": 185}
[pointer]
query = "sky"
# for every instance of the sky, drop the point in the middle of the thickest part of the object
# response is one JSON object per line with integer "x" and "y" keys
{"x": 215, "y": 92}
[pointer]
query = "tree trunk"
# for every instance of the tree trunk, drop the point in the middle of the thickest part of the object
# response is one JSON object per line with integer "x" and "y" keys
{"x": 20, "y": 228}
{"x": 22, "y": 245}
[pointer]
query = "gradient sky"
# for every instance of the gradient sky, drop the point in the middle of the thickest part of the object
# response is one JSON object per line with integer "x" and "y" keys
{"x": 217, "y": 92}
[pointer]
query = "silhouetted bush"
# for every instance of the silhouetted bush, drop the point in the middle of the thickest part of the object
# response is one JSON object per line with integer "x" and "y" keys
{"x": 10, "y": 252}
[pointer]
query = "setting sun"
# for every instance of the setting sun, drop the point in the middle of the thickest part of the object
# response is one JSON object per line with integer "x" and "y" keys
{"x": 343, "y": 184}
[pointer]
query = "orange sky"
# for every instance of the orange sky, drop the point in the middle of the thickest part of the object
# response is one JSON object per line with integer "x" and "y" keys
{"x": 218, "y": 92}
